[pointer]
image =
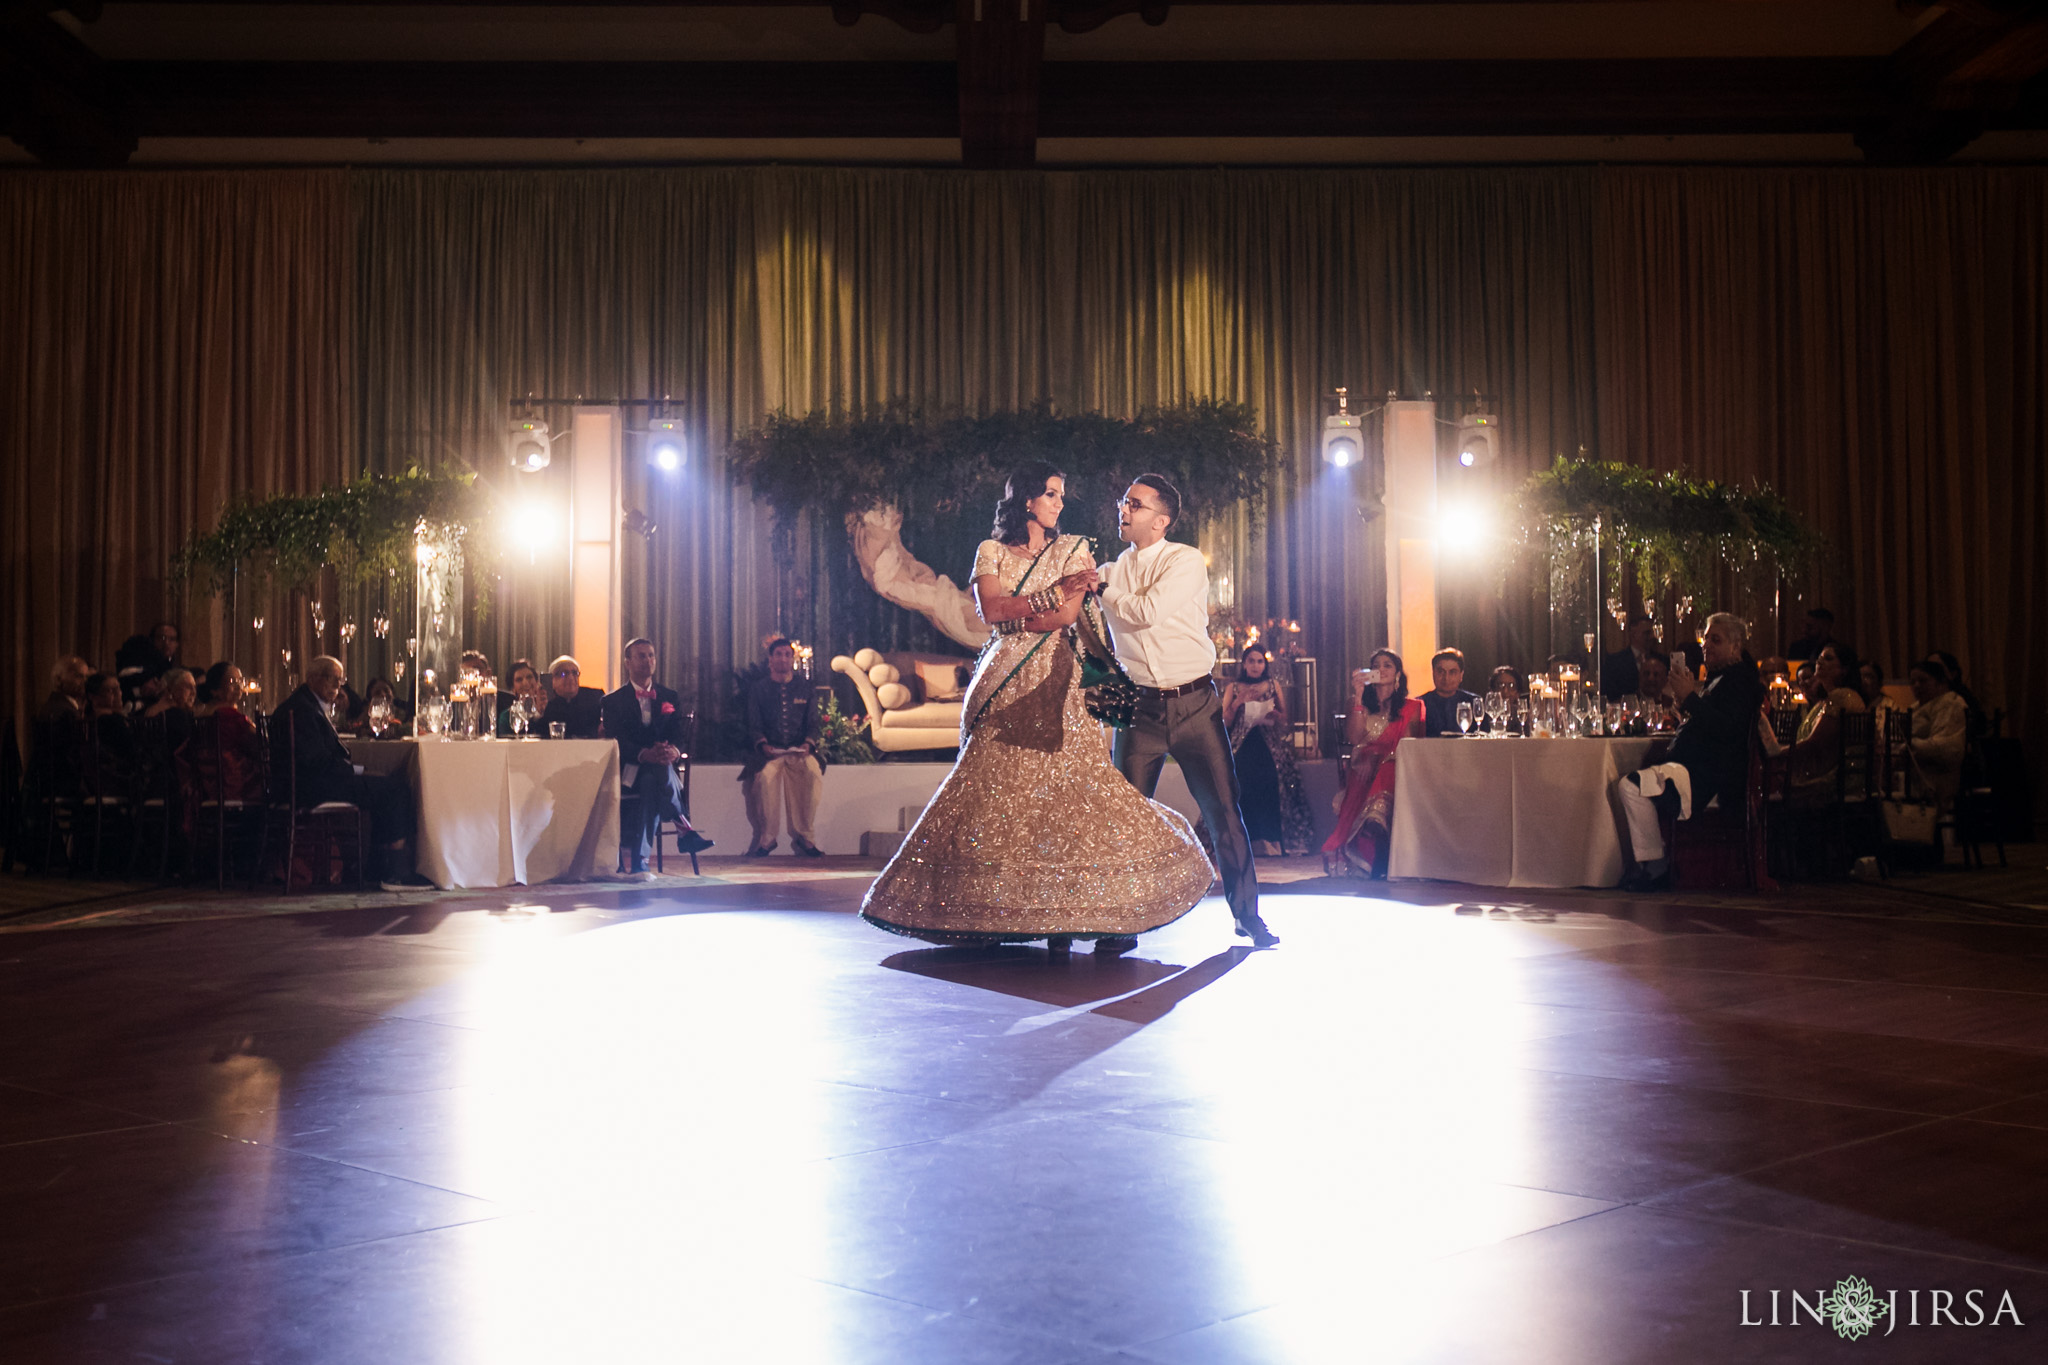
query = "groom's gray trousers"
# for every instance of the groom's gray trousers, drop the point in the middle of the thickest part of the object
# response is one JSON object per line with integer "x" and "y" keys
{"x": 1190, "y": 727}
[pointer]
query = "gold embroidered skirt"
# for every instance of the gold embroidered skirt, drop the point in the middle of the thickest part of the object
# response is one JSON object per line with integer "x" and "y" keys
{"x": 1035, "y": 832}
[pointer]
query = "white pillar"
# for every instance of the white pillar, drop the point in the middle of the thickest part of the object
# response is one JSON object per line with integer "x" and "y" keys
{"x": 596, "y": 478}
{"x": 1410, "y": 501}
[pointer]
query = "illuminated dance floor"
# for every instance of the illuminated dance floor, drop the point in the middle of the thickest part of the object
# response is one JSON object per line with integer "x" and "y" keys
{"x": 727, "y": 1121}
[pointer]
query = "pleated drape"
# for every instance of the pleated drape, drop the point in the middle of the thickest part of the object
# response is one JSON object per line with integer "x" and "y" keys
{"x": 1870, "y": 342}
{"x": 165, "y": 342}
{"x": 748, "y": 291}
{"x": 1874, "y": 344}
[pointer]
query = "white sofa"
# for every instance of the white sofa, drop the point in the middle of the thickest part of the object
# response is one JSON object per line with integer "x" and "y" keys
{"x": 900, "y": 719}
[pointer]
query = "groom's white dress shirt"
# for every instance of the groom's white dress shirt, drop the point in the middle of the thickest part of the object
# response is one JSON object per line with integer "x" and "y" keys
{"x": 1157, "y": 600}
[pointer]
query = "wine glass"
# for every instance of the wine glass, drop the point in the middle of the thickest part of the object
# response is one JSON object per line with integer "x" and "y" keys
{"x": 1464, "y": 717}
{"x": 1489, "y": 705}
{"x": 380, "y": 718}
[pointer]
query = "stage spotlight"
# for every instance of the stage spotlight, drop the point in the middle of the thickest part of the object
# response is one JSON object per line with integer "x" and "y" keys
{"x": 665, "y": 444}
{"x": 1478, "y": 439}
{"x": 1464, "y": 528}
{"x": 532, "y": 525}
{"x": 1343, "y": 436}
{"x": 528, "y": 446}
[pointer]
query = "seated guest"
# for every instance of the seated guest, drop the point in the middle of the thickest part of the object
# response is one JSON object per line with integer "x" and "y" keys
{"x": 67, "y": 690}
{"x": 1653, "y": 678}
{"x": 1979, "y": 725}
{"x": 111, "y": 734}
{"x": 1268, "y": 784}
{"x": 1815, "y": 750}
{"x": 524, "y": 682}
{"x": 1382, "y": 715}
{"x": 301, "y": 732}
{"x": 1621, "y": 672}
{"x": 1440, "y": 707}
{"x": 646, "y": 720}
{"x": 1506, "y": 680}
{"x": 166, "y": 723}
{"x": 380, "y": 689}
{"x": 572, "y": 704}
{"x": 783, "y": 770}
{"x": 477, "y": 662}
{"x": 1820, "y": 630}
{"x": 143, "y": 660}
{"x": 219, "y": 727}
{"x": 1869, "y": 682}
{"x": 1709, "y": 758}
{"x": 1941, "y": 727}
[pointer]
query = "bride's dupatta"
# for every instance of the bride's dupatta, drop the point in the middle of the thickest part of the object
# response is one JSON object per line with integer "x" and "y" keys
{"x": 996, "y": 636}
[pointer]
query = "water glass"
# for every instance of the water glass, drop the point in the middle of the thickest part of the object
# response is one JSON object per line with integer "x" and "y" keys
{"x": 1464, "y": 717}
{"x": 558, "y": 729}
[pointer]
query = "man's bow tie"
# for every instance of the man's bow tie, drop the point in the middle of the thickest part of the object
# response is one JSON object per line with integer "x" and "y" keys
{"x": 644, "y": 693}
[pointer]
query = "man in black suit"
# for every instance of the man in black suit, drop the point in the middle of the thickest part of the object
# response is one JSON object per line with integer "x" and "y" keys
{"x": 570, "y": 703}
{"x": 647, "y": 721}
{"x": 1709, "y": 759}
{"x": 303, "y": 741}
{"x": 1440, "y": 708}
{"x": 1621, "y": 673}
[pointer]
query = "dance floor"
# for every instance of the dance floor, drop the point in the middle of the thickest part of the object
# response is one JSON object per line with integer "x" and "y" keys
{"x": 723, "y": 1120}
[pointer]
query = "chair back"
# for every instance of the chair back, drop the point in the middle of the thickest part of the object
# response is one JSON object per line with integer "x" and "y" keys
{"x": 1856, "y": 767}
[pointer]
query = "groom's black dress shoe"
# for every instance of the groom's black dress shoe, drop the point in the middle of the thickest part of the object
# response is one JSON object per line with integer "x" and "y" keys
{"x": 1255, "y": 929}
{"x": 1114, "y": 945}
{"x": 690, "y": 841}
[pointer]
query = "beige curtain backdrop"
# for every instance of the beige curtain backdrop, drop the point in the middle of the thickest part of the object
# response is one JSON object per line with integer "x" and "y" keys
{"x": 1875, "y": 344}
{"x": 746, "y": 291}
{"x": 1870, "y": 342}
{"x": 166, "y": 342}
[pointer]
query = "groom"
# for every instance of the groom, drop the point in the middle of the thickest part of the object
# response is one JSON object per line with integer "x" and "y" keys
{"x": 1156, "y": 595}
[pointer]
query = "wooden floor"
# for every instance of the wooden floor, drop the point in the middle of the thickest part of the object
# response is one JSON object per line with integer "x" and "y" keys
{"x": 721, "y": 1119}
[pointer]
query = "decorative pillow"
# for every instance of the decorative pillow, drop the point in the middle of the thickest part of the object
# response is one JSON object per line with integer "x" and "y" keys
{"x": 881, "y": 674}
{"x": 894, "y": 696}
{"x": 866, "y": 659}
{"x": 942, "y": 682}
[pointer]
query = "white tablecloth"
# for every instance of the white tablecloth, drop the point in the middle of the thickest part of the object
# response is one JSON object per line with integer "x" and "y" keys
{"x": 1509, "y": 812}
{"x": 505, "y": 812}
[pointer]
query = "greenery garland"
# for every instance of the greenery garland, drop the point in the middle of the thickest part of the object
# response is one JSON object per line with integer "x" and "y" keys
{"x": 1680, "y": 533}
{"x": 365, "y": 529}
{"x": 945, "y": 470}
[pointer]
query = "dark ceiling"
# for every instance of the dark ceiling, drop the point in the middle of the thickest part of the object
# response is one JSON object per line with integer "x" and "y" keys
{"x": 994, "y": 83}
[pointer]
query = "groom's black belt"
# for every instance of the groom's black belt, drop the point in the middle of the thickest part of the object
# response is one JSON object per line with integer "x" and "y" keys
{"x": 1162, "y": 693}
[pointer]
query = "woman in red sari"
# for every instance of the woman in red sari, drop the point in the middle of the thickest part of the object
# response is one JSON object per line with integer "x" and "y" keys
{"x": 1382, "y": 715}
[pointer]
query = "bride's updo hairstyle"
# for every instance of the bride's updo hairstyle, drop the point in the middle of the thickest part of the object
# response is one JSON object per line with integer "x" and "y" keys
{"x": 1026, "y": 482}
{"x": 1397, "y": 698}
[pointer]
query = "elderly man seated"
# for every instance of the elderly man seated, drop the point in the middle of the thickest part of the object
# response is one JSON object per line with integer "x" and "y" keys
{"x": 578, "y": 708}
{"x": 303, "y": 739}
{"x": 1709, "y": 758}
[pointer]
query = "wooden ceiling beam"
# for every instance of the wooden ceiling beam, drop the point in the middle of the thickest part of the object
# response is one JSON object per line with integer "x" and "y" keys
{"x": 58, "y": 99}
{"x": 1975, "y": 61}
{"x": 1078, "y": 99}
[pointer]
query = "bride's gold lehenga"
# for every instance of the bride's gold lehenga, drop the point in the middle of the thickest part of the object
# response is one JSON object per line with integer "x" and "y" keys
{"x": 1035, "y": 833}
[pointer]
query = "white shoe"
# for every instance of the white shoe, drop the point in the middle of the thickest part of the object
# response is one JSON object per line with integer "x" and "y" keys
{"x": 1266, "y": 848}
{"x": 634, "y": 877}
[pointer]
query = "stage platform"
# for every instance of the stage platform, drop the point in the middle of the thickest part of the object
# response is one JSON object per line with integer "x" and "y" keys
{"x": 720, "y": 1119}
{"x": 863, "y": 797}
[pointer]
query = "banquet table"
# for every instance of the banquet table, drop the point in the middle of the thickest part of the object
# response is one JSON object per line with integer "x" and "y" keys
{"x": 1509, "y": 812}
{"x": 506, "y": 812}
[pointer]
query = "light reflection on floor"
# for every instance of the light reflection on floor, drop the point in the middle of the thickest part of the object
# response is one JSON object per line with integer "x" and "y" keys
{"x": 739, "y": 1125}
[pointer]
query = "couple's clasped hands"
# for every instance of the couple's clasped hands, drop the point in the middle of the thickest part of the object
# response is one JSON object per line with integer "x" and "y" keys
{"x": 1088, "y": 580}
{"x": 663, "y": 752}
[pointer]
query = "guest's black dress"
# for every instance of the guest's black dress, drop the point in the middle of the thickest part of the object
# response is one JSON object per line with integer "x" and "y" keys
{"x": 1268, "y": 783}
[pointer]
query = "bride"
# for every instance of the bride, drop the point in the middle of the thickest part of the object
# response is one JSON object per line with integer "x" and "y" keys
{"x": 1035, "y": 834}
